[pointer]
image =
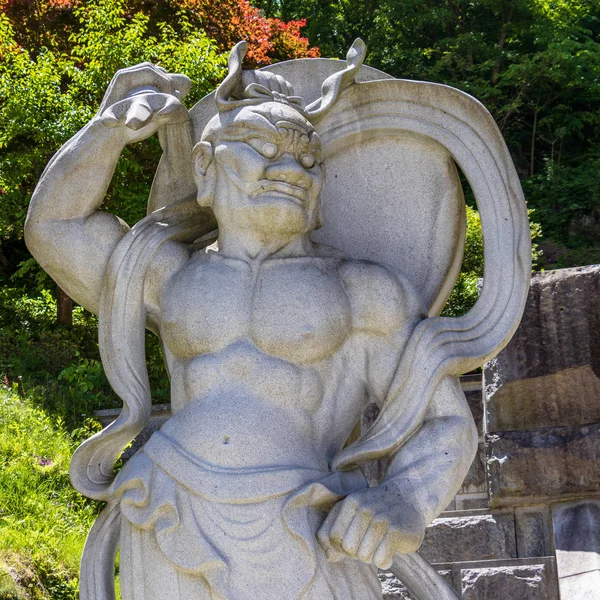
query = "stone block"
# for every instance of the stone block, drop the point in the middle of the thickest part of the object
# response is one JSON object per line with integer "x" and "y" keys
{"x": 393, "y": 588}
{"x": 476, "y": 536}
{"x": 471, "y": 501}
{"x": 543, "y": 464}
{"x": 549, "y": 373}
{"x": 514, "y": 579}
{"x": 534, "y": 533}
{"x": 522, "y": 582}
{"x": 577, "y": 540}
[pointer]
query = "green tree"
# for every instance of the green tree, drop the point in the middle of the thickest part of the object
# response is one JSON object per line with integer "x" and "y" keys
{"x": 47, "y": 98}
{"x": 57, "y": 58}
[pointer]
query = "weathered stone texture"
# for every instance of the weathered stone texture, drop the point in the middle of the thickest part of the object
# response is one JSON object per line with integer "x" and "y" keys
{"x": 550, "y": 463}
{"x": 534, "y": 532}
{"x": 549, "y": 373}
{"x": 474, "y": 537}
{"x": 522, "y": 579}
{"x": 393, "y": 589}
{"x": 499, "y": 583}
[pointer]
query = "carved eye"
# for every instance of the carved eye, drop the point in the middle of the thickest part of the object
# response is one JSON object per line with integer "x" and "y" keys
{"x": 307, "y": 160}
{"x": 268, "y": 149}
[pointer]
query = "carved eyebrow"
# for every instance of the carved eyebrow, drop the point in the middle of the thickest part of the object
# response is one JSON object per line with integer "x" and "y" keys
{"x": 257, "y": 123}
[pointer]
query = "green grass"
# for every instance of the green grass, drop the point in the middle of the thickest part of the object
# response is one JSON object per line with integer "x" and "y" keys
{"x": 43, "y": 520}
{"x": 51, "y": 382}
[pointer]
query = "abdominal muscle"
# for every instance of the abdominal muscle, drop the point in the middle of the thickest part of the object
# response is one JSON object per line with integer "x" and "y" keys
{"x": 246, "y": 409}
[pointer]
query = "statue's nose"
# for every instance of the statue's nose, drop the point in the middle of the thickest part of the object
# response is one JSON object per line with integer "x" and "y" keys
{"x": 287, "y": 169}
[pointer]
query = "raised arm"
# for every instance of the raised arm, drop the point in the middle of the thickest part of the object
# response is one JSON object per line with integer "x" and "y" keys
{"x": 65, "y": 229}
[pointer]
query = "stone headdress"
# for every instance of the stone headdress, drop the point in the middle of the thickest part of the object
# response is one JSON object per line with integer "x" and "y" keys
{"x": 247, "y": 88}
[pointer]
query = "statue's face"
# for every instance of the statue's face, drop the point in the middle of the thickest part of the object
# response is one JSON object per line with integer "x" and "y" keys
{"x": 269, "y": 172}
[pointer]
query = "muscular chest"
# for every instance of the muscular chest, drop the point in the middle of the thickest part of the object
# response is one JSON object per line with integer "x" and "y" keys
{"x": 294, "y": 309}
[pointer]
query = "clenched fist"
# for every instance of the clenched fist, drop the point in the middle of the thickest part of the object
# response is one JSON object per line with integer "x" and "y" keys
{"x": 141, "y": 99}
{"x": 372, "y": 525}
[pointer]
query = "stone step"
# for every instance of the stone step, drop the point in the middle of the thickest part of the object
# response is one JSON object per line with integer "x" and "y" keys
{"x": 514, "y": 579}
{"x": 470, "y": 535}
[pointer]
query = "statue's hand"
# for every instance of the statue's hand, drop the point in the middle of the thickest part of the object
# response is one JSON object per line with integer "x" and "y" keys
{"x": 372, "y": 525}
{"x": 141, "y": 99}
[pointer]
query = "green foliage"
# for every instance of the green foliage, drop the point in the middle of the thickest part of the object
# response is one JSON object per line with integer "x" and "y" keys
{"x": 43, "y": 520}
{"x": 466, "y": 290}
{"x": 45, "y": 99}
{"x": 59, "y": 367}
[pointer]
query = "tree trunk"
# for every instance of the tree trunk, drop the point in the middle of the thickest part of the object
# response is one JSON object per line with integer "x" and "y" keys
{"x": 533, "y": 134}
{"x": 501, "y": 42}
{"x": 3, "y": 264}
{"x": 64, "y": 308}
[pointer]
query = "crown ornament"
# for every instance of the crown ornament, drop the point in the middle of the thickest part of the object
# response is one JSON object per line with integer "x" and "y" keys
{"x": 249, "y": 88}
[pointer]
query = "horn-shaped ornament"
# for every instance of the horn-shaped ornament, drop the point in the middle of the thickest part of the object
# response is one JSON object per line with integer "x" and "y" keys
{"x": 332, "y": 87}
{"x": 247, "y": 88}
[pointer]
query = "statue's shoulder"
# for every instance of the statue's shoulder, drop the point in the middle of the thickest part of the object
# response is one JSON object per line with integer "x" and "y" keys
{"x": 169, "y": 260}
{"x": 382, "y": 300}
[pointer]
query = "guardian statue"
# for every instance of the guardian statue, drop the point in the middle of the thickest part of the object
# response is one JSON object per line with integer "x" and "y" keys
{"x": 286, "y": 300}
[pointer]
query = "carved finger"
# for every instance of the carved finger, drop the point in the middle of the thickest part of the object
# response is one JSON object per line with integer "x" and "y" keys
{"x": 384, "y": 554}
{"x": 372, "y": 539}
{"x": 171, "y": 107}
{"x": 117, "y": 111}
{"x": 333, "y": 554}
{"x": 109, "y": 118}
{"x": 405, "y": 540}
{"x": 356, "y": 531}
{"x": 139, "y": 114}
{"x": 181, "y": 85}
{"x": 348, "y": 508}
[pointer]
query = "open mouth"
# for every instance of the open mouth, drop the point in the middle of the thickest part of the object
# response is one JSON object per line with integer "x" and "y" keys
{"x": 285, "y": 190}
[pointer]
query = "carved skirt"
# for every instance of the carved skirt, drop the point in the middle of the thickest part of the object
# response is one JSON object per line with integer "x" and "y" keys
{"x": 193, "y": 531}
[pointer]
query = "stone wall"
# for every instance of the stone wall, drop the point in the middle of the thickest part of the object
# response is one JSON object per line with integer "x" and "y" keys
{"x": 526, "y": 523}
{"x": 542, "y": 418}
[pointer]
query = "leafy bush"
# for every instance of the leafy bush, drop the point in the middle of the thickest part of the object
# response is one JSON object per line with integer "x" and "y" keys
{"x": 466, "y": 291}
{"x": 46, "y": 98}
{"x": 59, "y": 367}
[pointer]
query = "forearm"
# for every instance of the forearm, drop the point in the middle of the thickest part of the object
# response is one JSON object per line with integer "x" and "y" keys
{"x": 429, "y": 469}
{"x": 75, "y": 181}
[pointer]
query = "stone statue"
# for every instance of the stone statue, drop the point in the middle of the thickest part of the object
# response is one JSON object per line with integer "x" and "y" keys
{"x": 285, "y": 302}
